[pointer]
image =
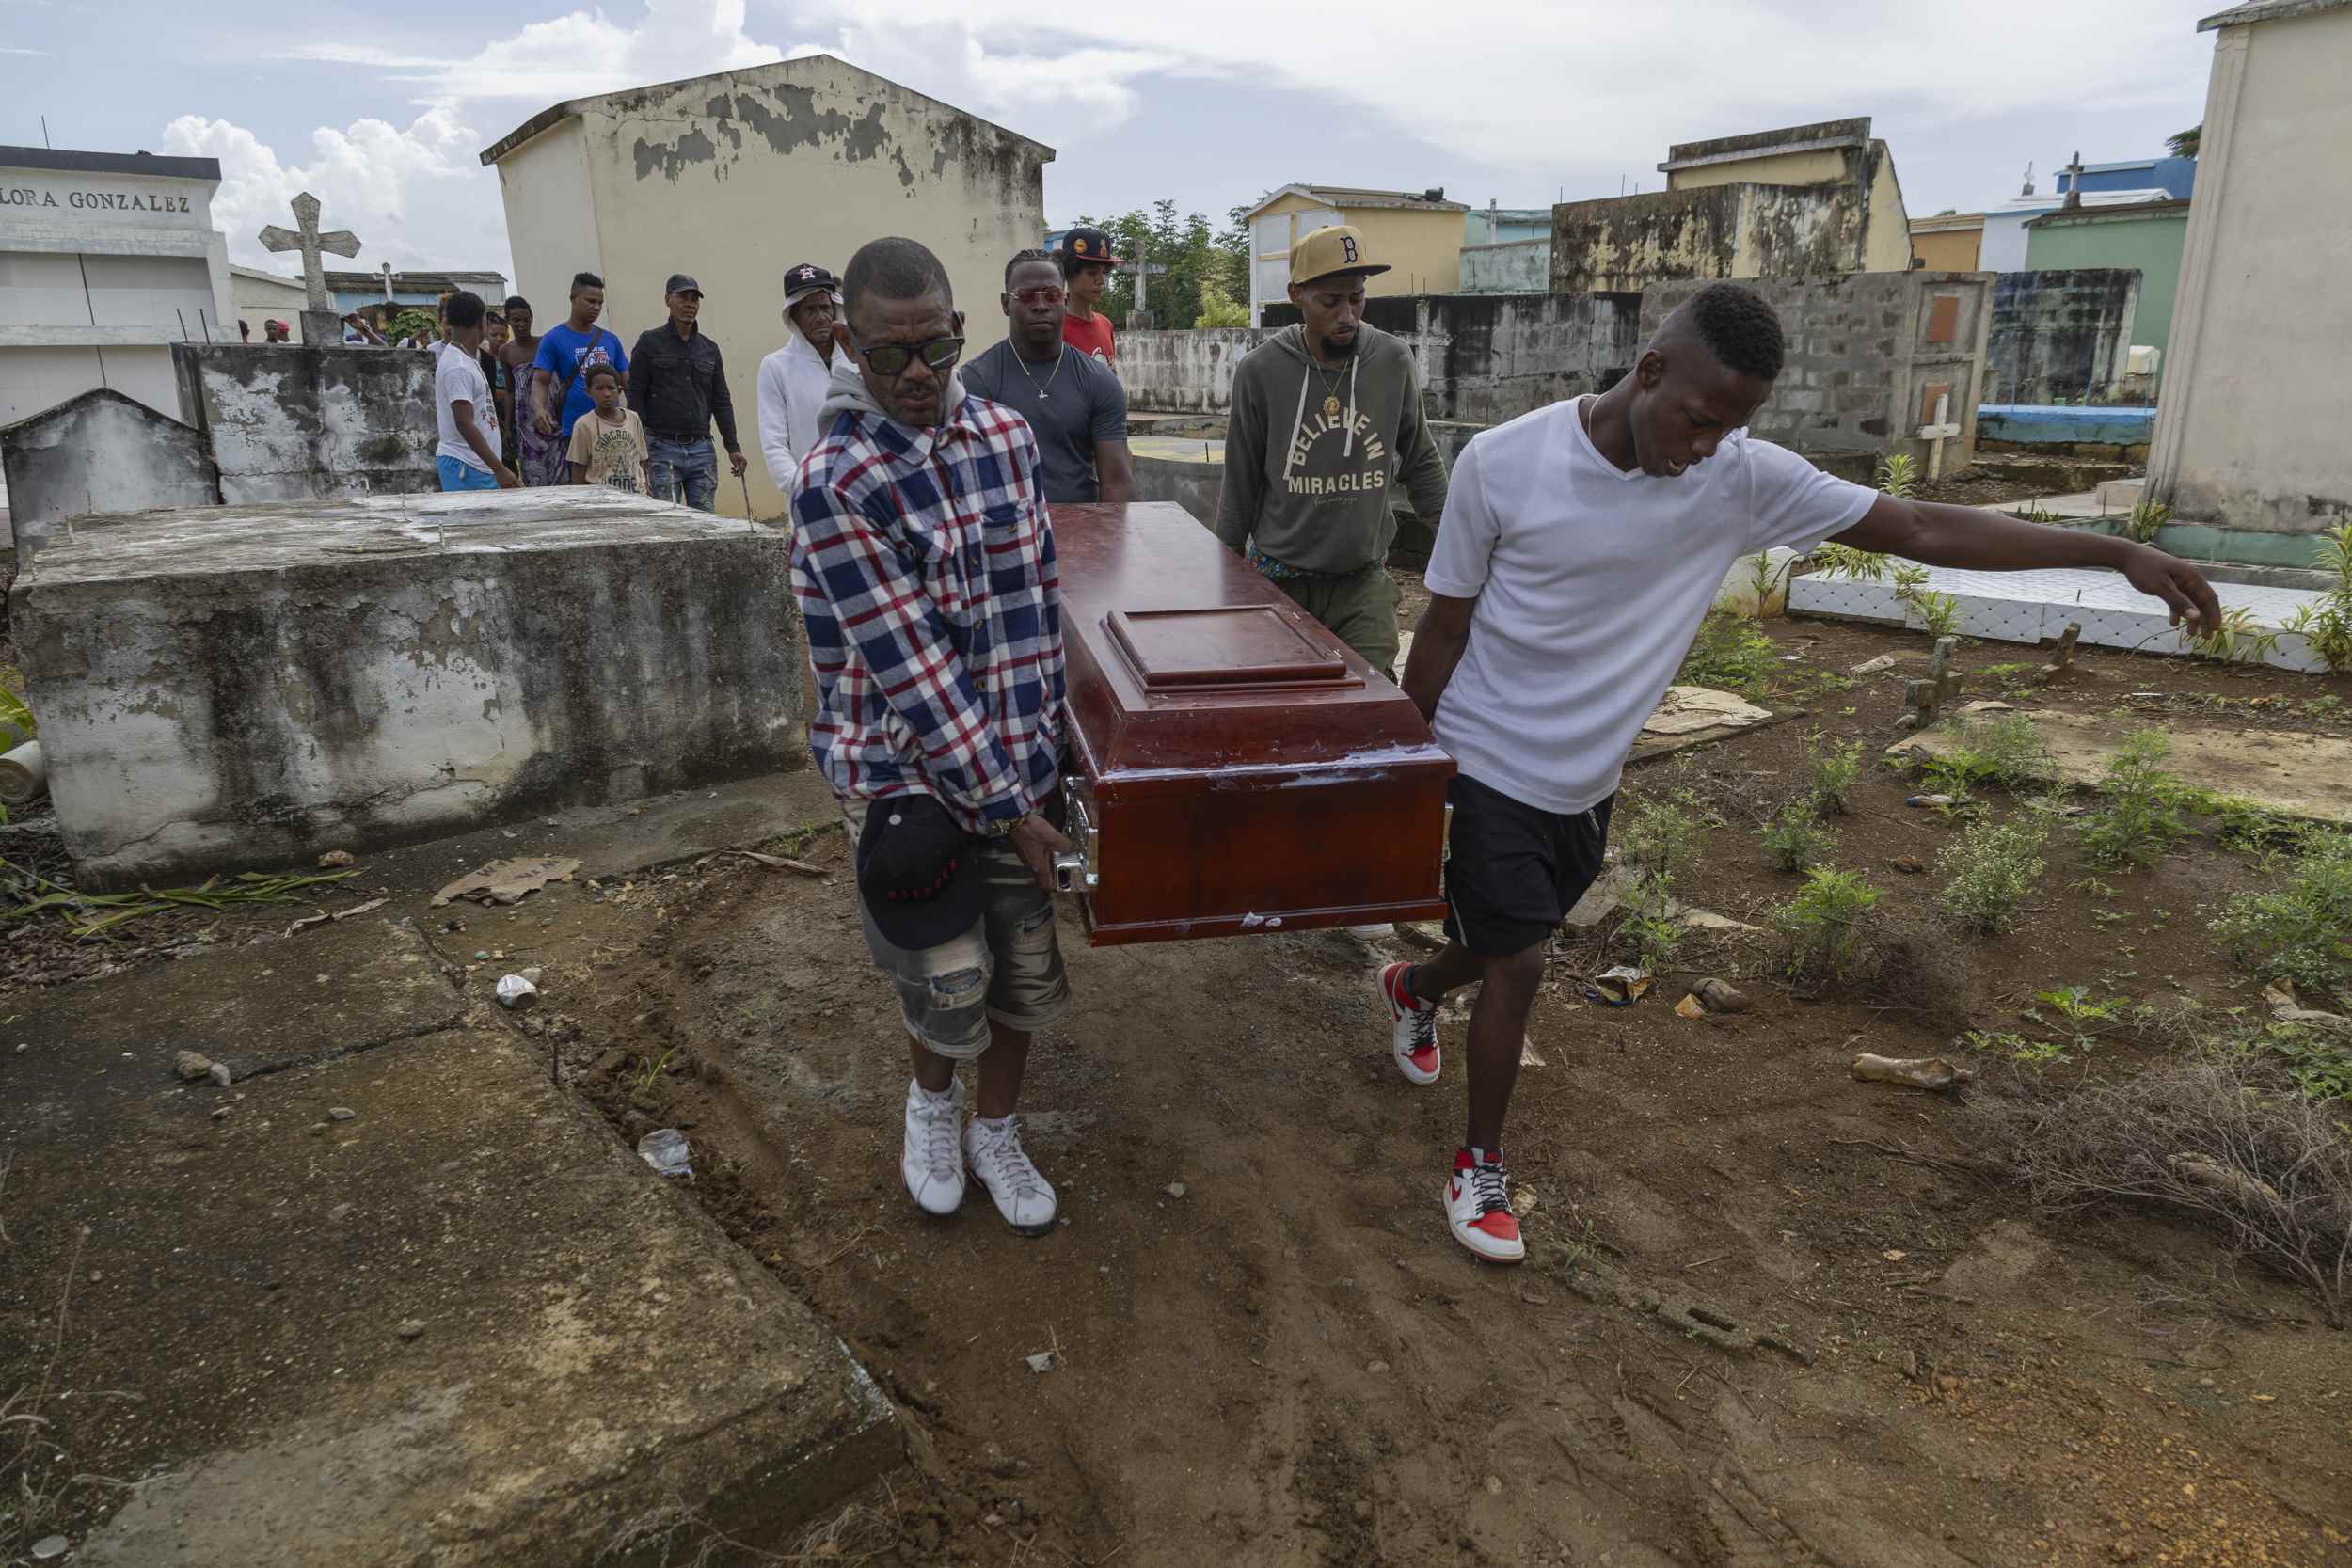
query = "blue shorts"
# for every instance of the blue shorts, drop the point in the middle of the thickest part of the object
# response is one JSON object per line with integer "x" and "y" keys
{"x": 463, "y": 476}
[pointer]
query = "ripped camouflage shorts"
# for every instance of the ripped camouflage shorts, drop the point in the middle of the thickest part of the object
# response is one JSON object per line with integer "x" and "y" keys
{"x": 1008, "y": 968}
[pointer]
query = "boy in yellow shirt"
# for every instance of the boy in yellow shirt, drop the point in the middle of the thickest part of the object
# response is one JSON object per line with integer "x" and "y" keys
{"x": 609, "y": 445}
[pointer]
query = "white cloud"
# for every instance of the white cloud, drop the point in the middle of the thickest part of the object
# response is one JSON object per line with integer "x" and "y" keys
{"x": 407, "y": 194}
{"x": 418, "y": 195}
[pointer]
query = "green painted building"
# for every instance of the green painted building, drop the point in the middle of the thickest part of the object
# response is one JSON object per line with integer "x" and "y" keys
{"x": 2147, "y": 236}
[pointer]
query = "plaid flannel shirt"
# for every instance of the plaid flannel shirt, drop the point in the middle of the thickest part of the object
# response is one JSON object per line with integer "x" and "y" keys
{"x": 923, "y": 561}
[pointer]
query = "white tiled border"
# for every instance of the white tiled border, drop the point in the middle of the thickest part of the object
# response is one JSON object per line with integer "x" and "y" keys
{"x": 2027, "y": 607}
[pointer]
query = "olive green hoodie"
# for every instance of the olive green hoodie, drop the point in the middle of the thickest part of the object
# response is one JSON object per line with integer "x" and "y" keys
{"x": 1309, "y": 482}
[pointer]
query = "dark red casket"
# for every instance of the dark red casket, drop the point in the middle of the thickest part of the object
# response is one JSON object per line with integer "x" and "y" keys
{"x": 1235, "y": 767}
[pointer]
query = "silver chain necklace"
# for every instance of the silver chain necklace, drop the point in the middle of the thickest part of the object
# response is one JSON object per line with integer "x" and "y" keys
{"x": 1044, "y": 392}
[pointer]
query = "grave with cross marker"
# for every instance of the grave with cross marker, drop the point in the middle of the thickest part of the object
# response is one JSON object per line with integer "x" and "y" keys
{"x": 321, "y": 321}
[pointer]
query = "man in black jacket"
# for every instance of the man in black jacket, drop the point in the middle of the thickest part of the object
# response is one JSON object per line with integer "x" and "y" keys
{"x": 677, "y": 384}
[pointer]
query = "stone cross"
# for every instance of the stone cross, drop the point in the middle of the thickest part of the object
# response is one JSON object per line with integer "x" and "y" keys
{"x": 2075, "y": 184}
{"x": 1927, "y": 698}
{"x": 308, "y": 241}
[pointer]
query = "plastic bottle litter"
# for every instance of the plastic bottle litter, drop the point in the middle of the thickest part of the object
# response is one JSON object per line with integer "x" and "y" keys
{"x": 49, "y": 1546}
{"x": 515, "y": 993}
{"x": 1932, "y": 799}
{"x": 664, "y": 1149}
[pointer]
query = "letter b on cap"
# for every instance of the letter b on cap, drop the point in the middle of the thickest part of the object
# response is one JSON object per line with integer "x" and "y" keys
{"x": 1347, "y": 247}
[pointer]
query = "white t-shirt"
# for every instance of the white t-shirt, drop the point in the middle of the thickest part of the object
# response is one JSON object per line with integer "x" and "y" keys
{"x": 456, "y": 378}
{"x": 1591, "y": 582}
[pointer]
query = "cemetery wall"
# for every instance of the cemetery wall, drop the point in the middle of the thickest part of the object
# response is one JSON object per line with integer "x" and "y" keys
{"x": 2061, "y": 336}
{"x": 314, "y": 421}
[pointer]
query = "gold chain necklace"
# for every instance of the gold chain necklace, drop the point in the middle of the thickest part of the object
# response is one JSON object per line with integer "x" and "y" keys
{"x": 1331, "y": 391}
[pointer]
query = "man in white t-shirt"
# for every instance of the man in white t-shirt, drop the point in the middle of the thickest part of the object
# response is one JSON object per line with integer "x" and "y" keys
{"x": 467, "y": 455}
{"x": 1580, "y": 546}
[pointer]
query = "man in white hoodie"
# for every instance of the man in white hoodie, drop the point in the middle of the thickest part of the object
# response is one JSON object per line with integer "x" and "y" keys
{"x": 923, "y": 562}
{"x": 793, "y": 380}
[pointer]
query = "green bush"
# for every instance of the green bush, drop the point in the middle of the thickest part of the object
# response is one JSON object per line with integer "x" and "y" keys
{"x": 1796, "y": 836}
{"x": 2299, "y": 930}
{"x": 2139, "y": 818}
{"x": 2006, "y": 751}
{"x": 1833, "y": 769}
{"x": 1655, "y": 837}
{"x": 1992, "y": 868}
{"x": 1822, "y": 926}
{"x": 1730, "y": 654}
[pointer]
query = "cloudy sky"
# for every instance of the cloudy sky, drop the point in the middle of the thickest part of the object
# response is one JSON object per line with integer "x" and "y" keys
{"x": 381, "y": 110}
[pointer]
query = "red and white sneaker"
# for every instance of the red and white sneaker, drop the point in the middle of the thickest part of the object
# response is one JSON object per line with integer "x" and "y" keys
{"x": 1479, "y": 1209}
{"x": 1412, "y": 1027}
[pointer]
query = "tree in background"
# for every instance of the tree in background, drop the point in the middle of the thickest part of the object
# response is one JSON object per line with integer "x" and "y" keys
{"x": 2184, "y": 143}
{"x": 1206, "y": 270}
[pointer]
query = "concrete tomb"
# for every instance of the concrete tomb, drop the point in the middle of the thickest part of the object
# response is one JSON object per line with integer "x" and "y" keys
{"x": 250, "y": 685}
{"x": 99, "y": 452}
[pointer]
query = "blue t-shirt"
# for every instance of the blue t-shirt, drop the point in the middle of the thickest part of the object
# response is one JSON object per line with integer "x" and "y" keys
{"x": 567, "y": 356}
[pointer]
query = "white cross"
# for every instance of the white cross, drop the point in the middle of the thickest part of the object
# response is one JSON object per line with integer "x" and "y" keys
{"x": 308, "y": 241}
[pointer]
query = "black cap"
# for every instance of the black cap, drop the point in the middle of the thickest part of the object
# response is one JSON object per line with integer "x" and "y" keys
{"x": 680, "y": 283}
{"x": 1086, "y": 245}
{"x": 806, "y": 280}
{"x": 918, "y": 872}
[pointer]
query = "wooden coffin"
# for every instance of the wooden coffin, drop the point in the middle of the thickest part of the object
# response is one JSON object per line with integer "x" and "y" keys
{"x": 1234, "y": 766}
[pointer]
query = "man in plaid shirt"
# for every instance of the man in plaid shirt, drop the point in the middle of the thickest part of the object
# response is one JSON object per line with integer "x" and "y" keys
{"x": 924, "y": 565}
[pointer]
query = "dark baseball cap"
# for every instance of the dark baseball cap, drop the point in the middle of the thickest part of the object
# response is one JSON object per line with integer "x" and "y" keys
{"x": 806, "y": 280}
{"x": 681, "y": 284}
{"x": 918, "y": 872}
{"x": 1086, "y": 245}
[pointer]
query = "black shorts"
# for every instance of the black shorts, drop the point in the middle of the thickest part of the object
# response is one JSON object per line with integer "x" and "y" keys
{"x": 1513, "y": 872}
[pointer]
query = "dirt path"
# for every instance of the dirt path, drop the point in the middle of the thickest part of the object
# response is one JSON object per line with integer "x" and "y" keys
{"x": 1289, "y": 1363}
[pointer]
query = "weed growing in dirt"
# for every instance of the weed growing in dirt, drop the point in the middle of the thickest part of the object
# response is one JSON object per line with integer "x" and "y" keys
{"x": 1822, "y": 927}
{"x": 2241, "y": 824}
{"x": 1796, "y": 836}
{"x": 2139, "y": 817}
{"x": 1656, "y": 836}
{"x": 2014, "y": 679}
{"x": 2327, "y": 626}
{"x": 2300, "y": 929}
{"x": 2036, "y": 1054}
{"x": 2082, "y": 1015}
{"x": 2317, "y": 1061}
{"x": 1833, "y": 770}
{"x": 2236, "y": 638}
{"x": 1992, "y": 867}
{"x": 1939, "y": 613}
{"x": 1731, "y": 654}
{"x": 2220, "y": 1136}
{"x": 2005, "y": 750}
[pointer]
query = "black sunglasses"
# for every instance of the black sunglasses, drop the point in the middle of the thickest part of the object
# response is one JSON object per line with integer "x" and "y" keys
{"x": 892, "y": 359}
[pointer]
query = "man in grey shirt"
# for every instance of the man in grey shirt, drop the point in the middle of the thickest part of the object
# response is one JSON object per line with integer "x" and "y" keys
{"x": 1073, "y": 401}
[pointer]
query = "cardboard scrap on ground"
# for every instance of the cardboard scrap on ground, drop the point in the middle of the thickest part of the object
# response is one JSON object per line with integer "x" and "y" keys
{"x": 2290, "y": 772}
{"x": 509, "y": 882}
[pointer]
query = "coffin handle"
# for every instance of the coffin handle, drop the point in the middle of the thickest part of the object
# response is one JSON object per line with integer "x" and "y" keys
{"x": 1076, "y": 870}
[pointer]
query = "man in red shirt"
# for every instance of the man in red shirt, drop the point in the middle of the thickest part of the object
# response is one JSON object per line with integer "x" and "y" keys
{"x": 1086, "y": 269}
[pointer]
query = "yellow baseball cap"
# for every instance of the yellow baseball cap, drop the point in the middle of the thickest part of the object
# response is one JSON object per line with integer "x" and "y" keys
{"x": 1330, "y": 251}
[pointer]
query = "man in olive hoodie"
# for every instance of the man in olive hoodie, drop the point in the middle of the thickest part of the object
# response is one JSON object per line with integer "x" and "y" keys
{"x": 1325, "y": 417}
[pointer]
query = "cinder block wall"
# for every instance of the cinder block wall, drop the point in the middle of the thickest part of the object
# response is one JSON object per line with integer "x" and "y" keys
{"x": 1869, "y": 354}
{"x": 289, "y": 422}
{"x": 248, "y": 687}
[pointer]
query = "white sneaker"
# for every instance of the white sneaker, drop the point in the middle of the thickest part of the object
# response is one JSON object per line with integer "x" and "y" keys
{"x": 1022, "y": 1196}
{"x": 1478, "y": 1210}
{"x": 1412, "y": 1028}
{"x": 1381, "y": 932}
{"x": 934, "y": 1173}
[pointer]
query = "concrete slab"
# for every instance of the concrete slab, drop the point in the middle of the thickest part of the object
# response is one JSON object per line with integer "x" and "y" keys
{"x": 246, "y": 685}
{"x": 2299, "y": 775}
{"x": 330, "y": 990}
{"x": 2032, "y": 607}
{"x": 465, "y": 1326}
